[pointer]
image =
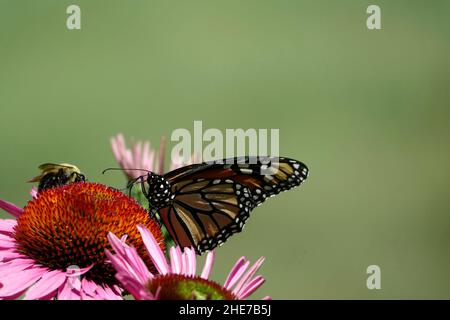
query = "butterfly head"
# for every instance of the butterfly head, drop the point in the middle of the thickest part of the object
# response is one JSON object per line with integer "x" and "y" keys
{"x": 158, "y": 194}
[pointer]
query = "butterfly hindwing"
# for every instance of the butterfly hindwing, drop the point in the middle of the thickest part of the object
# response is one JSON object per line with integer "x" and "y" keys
{"x": 205, "y": 213}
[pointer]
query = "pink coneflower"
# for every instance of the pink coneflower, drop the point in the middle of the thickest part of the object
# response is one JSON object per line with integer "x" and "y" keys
{"x": 56, "y": 247}
{"x": 140, "y": 156}
{"x": 178, "y": 162}
{"x": 177, "y": 279}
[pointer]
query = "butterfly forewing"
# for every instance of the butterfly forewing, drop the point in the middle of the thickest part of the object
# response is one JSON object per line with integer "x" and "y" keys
{"x": 212, "y": 201}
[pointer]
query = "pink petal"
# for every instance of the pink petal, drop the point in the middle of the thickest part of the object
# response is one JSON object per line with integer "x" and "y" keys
{"x": 7, "y": 242}
{"x": 109, "y": 294}
{"x": 7, "y": 255}
{"x": 49, "y": 283}
{"x": 186, "y": 266}
{"x": 18, "y": 282}
{"x": 162, "y": 151}
{"x": 123, "y": 266}
{"x": 175, "y": 260}
{"x": 248, "y": 276}
{"x": 115, "y": 149}
{"x": 267, "y": 298}
{"x": 77, "y": 272}
{"x": 88, "y": 287}
{"x": 8, "y": 238}
{"x": 66, "y": 292}
{"x": 116, "y": 244}
{"x": 34, "y": 192}
{"x": 137, "y": 154}
{"x": 209, "y": 263}
{"x": 183, "y": 265}
{"x": 146, "y": 156}
{"x": 13, "y": 266}
{"x": 7, "y": 225}
{"x": 135, "y": 288}
{"x": 86, "y": 297}
{"x": 11, "y": 208}
{"x": 117, "y": 261}
{"x": 236, "y": 272}
{"x": 138, "y": 265}
{"x": 74, "y": 280}
{"x": 190, "y": 261}
{"x": 153, "y": 249}
{"x": 251, "y": 287}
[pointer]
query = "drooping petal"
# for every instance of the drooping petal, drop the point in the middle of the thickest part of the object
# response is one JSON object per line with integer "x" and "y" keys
{"x": 116, "y": 149}
{"x": 118, "y": 261}
{"x": 8, "y": 255}
{"x": 209, "y": 263}
{"x": 135, "y": 288}
{"x": 192, "y": 261}
{"x": 110, "y": 294}
{"x": 20, "y": 281}
{"x": 248, "y": 276}
{"x": 162, "y": 151}
{"x": 13, "y": 266}
{"x": 153, "y": 249}
{"x": 116, "y": 243}
{"x": 236, "y": 272}
{"x": 11, "y": 208}
{"x": 77, "y": 272}
{"x": 251, "y": 287}
{"x": 137, "y": 264}
{"x": 68, "y": 292}
{"x": 88, "y": 288}
{"x": 7, "y": 225}
{"x": 175, "y": 260}
{"x": 49, "y": 283}
{"x": 6, "y": 242}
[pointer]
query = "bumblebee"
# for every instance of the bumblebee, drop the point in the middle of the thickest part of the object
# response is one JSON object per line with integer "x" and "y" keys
{"x": 55, "y": 175}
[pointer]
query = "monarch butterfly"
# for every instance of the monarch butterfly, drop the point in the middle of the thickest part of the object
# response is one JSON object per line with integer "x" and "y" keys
{"x": 202, "y": 205}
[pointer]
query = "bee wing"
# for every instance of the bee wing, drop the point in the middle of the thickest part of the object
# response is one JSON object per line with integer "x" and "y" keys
{"x": 51, "y": 166}
{"x": 35, "y": 179}
{"x": 47, "y": 168}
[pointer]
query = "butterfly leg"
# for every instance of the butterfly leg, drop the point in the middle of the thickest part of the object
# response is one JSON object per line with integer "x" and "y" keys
{"x": 130, "y": 185}
{"x": 154, "y": 215}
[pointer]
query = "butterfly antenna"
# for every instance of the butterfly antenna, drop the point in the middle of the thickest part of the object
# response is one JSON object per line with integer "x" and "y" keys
{"x": 125, "y": 169}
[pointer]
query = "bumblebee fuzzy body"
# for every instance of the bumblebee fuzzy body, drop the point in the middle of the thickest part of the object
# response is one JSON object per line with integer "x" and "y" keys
{"x": 55, "y": 175}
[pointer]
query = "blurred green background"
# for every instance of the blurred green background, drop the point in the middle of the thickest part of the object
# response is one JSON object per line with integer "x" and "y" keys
{"x": 368, "y": 111}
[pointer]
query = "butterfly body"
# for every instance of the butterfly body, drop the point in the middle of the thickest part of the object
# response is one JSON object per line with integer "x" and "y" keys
{"x": 202, "y": 205}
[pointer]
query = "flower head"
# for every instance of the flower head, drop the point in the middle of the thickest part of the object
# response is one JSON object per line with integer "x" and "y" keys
{"x": 140, "y": 156}
{"x": 176, "y": 279}
{"x": 56, "y": 247}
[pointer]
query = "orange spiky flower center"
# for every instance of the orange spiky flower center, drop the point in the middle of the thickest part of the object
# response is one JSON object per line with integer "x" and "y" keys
{"x": 68, "y": 226}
